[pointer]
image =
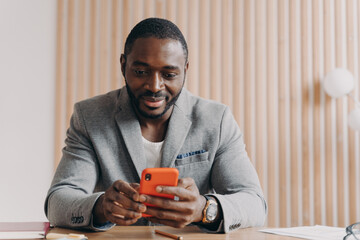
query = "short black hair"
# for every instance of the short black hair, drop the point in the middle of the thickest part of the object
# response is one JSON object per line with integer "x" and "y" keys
{"x": 157, "y": 28}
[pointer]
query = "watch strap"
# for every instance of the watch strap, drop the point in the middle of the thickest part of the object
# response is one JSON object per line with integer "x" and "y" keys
{"x": 209, "y": 200}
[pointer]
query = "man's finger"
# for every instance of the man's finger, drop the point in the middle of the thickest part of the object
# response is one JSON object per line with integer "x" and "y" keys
{"x": 115, "y": 209}
{"x": 123, "y": 201}
{"x": 126, "y": 189}
{"x": 136, "y": 186}
{"x": 164, "y": 203}
{"x": 186, "y": 189}
{"x": 186, "y": 183}
{"x": 179, "y": 192}
{"x": 167, "y": 214}
{"x": 171, "y": 223}
{"x": 121, "y": 220}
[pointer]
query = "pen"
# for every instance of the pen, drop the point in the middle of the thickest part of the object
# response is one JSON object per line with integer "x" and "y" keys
{"x": 66, "y": 236}
{"x": 168, "y": 235}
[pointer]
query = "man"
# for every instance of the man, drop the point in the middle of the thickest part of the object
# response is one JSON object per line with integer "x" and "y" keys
{"x": 154, "y": 122}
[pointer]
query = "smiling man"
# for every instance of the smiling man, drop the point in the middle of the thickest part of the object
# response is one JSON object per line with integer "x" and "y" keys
{"x": 164, "y": 63}
{"x": 154, "y": 122}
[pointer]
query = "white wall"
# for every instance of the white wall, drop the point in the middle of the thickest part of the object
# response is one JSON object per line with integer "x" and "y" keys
{"x": 27, "y": 94}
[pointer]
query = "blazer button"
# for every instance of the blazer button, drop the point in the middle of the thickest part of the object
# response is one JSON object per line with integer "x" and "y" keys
{"x": 81, "y": 219}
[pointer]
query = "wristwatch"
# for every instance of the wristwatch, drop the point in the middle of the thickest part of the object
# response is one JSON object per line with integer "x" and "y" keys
{"x": 210, "y": 211}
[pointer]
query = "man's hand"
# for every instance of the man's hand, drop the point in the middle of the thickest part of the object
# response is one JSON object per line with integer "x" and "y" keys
{"x": 120, "y": 204}
{"x": 177, "y": 213}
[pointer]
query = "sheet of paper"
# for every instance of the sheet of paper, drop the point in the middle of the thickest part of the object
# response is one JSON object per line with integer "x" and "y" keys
{"x": 23, "y": 230}
{"x": 21, "y": 235}
{"x": 316, "y": 232}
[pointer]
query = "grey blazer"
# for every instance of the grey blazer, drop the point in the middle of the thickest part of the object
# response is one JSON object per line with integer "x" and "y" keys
{"x": 104, "y": 144}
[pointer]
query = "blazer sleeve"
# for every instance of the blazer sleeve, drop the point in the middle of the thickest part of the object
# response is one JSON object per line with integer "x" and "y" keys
{"x": 235, "y": 180}
{"x": 71, "y": 197}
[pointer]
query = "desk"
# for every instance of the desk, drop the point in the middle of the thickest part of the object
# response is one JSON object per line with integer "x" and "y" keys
{"x": 188, "y": 233}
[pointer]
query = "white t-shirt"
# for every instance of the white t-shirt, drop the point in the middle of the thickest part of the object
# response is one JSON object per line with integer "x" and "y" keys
{"x": 153, "y": 152}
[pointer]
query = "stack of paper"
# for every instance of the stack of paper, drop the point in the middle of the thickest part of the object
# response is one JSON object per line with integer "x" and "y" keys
{"x": 316, "y": 232}
{"x": 23, "y": 230}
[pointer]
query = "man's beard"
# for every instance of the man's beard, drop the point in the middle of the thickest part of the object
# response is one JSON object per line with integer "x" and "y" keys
{"x": 135, "y": 102}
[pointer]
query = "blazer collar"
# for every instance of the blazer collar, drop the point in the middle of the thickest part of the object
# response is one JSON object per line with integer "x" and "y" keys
{"x": 129, "y": 126}
{"x": 177, "y": 131}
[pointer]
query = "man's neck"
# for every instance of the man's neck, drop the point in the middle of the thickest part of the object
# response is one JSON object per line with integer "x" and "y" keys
{"x": 154, "y": 130}
{"x": 154, "y": 133}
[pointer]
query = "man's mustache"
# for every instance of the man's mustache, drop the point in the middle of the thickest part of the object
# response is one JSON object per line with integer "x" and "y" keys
{"x": 154, "y": 95}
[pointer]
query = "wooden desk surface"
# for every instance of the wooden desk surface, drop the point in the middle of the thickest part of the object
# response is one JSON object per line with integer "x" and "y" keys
{"x": 188, "y": 233}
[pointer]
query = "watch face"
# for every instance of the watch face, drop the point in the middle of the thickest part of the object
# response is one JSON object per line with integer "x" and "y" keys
{"x": 211, "y": 212}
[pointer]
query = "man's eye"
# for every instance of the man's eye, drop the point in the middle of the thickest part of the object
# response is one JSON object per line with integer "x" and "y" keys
{"x": 169, "y": 75}
{"x": 140, "y": 72}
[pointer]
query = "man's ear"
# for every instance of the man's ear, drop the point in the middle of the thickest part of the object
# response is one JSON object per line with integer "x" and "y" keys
{"x": 186, "y": 67}
{"x": 123, "y": 64}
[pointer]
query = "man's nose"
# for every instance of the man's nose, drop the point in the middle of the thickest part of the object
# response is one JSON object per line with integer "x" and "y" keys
{"x": 155, "y": 83}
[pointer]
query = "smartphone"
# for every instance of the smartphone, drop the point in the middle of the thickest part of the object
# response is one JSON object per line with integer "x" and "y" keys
{"x": 153, "y": 177}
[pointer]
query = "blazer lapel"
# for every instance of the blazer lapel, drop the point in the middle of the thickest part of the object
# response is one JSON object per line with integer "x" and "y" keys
{"x": 129, "y": 126}
{"x": 131, "y": 132}
{"x": 177, "y": 131}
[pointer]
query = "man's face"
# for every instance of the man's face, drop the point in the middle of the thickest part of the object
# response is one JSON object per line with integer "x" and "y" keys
{"x": 154, "y": 72}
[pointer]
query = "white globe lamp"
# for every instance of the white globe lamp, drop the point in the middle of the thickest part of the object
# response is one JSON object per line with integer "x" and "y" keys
{"x": 354, "y": 119}
{"x": 339, "y": 82}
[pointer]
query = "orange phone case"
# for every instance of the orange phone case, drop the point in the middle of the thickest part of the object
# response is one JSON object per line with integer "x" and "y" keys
{"x": 158, "y": 176}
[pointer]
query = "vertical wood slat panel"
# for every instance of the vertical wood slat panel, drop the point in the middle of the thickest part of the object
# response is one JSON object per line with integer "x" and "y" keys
{"x": 193, "y": 37}
{"x": 281, "y": 103}
{"x": 357, "y": 95}
{"x": 215, "y": 51}
{"x": 70, "y": 69}
{"x": 181, "y": 19}
{"x": 294, "y": 123}
{"x": 171, "y": 10}
{"x": 351, "y": 105}
{"x": 305, "y": 115}
{"x": 59, "y": 94}
{"x": 249, "y": 55}
{"x": 316, "y": 111}
{"x": 226, "y": 46}
{"x": 104, "y": 47}
{"x": 248, "y": 61}
{"x": 149, "y": 8}
{"x": 339, "y": 120}
{"x": 81, "y": 88}
{"x": 92, "y": 46}
{"x": 273, "y": 218}
{"x": 327, "y": 108}
{"x": 115, "y": 46}
{"x": 159, "y": 9}
{"x": 237, "y": 60}
{"x": 204, "y": 50}
{"x": 139, "y": 13}
{"x": 260, "y": 94}
{"x": 125, "y": 20}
